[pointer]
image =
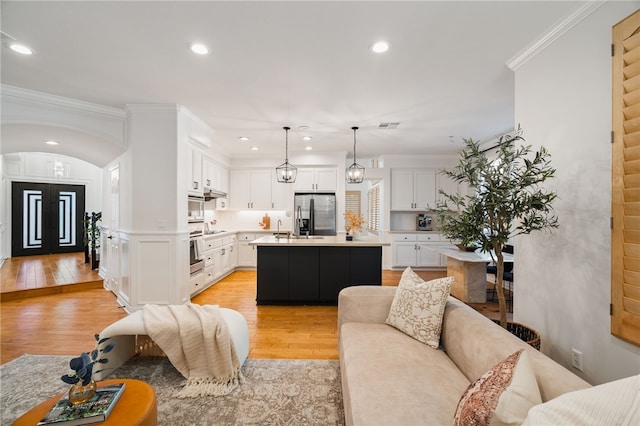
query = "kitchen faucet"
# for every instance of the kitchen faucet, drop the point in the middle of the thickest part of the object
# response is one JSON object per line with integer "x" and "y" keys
{"x": 298, "y": 221}
{"x": 278, "y": 231}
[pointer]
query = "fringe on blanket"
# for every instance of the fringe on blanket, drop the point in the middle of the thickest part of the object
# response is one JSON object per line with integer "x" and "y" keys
{"x": 205, "y": 386}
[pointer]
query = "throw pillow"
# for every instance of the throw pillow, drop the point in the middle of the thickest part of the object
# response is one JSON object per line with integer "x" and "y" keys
{"x": 418, "y": 307}
{"x": 613, "y": 403}
{"x": 502, "y": 396}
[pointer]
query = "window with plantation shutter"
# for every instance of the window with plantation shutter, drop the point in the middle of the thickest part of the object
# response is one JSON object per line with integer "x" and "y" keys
{"x": 625, "y": 186}
{"x": 352, "y": 202}
{"x": 373, "y": 209}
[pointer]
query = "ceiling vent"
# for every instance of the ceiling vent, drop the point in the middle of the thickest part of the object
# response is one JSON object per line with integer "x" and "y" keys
{"x": 388, "y": 125}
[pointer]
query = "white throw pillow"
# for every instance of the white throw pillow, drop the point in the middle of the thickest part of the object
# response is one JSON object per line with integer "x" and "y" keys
{"x": 502, "y": 396}
{"x": 418, "y": 307}
{"x": 613, "y": 403}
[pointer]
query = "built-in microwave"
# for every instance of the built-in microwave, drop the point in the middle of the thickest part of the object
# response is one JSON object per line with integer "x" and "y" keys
{"x": 196, "y": 209}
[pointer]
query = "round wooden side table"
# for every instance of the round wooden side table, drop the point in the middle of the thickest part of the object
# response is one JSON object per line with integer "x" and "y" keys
{"x": 137, "y": 406}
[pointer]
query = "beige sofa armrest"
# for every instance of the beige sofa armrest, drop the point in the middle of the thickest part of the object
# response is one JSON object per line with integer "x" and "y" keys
{"x": 365, "y": 303}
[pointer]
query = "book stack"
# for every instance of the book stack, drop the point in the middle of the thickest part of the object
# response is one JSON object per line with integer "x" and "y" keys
{"x": 96, "y": 410}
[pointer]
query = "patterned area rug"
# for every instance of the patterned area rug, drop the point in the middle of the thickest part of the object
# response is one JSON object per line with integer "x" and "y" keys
{"x": 276, "y": 392}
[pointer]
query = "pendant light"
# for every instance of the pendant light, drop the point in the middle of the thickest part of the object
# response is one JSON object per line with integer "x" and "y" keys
{"x": 355, "y": 172}
{"x": 285, "y": 172}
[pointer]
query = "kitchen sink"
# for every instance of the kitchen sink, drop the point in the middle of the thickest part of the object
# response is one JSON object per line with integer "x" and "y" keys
{"x": 306, "y": 237}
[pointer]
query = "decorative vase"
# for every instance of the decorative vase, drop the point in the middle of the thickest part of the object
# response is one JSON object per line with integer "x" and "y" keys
{"x": 79, "y": 393}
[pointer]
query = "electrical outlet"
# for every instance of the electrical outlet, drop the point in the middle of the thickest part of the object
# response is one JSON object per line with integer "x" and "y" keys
{"x": 576, "y": 359}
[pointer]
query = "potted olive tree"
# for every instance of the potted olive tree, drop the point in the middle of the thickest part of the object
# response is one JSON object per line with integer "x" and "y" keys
{"x": 508, "y": 200}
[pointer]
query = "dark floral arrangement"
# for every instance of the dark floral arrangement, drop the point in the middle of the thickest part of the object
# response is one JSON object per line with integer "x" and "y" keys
{"x": 83, "y": 365}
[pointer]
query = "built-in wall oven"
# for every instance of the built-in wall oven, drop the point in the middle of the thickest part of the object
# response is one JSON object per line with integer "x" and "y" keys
{"x": 196, "y": 249}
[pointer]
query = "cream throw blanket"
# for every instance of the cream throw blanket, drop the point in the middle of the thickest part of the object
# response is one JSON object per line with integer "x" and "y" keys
{"x": 196, "y": 340}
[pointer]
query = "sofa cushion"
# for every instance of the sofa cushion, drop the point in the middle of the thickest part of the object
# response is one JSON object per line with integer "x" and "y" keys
{"x": 418, "y": 306}
{"x": 475, "y": 344}
{"x": 613, "y": 403}
{"x": 502, "y": 396}
{"x": 389, "y": 378}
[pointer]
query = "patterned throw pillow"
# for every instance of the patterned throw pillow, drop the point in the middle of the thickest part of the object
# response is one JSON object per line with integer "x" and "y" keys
{"x": 502, "y": 396}
{"x": 418, "y": 307}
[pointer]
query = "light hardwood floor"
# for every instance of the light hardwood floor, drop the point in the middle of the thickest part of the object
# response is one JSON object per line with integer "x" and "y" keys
{"x": 64, "y": 324}
{"x": 30, "y": 276}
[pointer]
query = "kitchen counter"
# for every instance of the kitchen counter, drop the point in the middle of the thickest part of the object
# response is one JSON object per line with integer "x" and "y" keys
{"x": 413, "y": 231}
{"x": 313, "y": 271}
{"x": 469, "y": 268}
{"x": 315, "y": 241}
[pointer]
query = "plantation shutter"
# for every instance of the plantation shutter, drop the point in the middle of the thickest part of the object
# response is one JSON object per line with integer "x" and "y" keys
{"x": 373, "y": 209}
{"x": 625, "y": 187}
{"x": 352, "y": 202}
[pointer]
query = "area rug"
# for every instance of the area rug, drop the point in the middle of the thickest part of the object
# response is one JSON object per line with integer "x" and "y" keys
{"x": 276, "y": 392}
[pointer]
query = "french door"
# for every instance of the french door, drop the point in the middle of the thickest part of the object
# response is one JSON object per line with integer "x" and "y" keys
{"x": 46, "y": 218}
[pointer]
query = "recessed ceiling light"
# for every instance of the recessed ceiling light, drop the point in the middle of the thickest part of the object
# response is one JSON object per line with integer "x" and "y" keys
{"x": 199, "y": 48}
{"x": 254, "y": 148}
{"x": 380, "y": 46}
{"x": 243, "y": 138}
{"x": 21, "y": 48}
{"x": 308, "y": 148}
{"x": 51, "y": 142}
{"x": 306, "y": 138}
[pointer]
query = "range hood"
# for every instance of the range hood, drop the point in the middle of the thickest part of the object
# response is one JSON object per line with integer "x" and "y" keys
{"x": 210, "y": 194}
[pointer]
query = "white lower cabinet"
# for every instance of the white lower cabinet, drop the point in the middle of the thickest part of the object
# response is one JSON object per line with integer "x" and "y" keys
{"x": 413, "y": 250}
{"x": 197, "y": 282}
{"x": 247, "y": 254}
{"x": 220, "y": 259}
{"x": 228, "y": 257}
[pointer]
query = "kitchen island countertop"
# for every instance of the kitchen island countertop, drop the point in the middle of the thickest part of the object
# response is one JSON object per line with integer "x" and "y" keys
{"x": 315, "y": 241}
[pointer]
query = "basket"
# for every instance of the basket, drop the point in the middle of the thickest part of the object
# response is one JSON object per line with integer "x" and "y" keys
{"x": 145, "y": 346}
{"x": 524, "y": 333}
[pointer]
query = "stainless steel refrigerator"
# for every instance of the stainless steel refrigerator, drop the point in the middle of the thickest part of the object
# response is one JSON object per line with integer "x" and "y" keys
{"x": 314, "y": 213}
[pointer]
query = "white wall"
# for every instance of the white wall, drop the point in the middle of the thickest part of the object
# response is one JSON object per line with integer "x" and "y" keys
{"x": 3, "y": 207}
{"x": 563, "y": 102}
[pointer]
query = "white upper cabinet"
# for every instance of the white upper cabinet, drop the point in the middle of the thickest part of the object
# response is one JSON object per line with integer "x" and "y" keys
{"x": 413, "y": 189}
{"x": 209, "y": 173}
{"x": 281, "y": 194}
{"x": 215, "y": 176}
{"x": 195, "y": 186}
{"x": 250, "y": 189}
{"x": 316, "y": 179}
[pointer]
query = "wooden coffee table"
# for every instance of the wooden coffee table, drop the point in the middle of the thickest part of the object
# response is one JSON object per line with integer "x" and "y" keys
{"x": 136, "y": 406}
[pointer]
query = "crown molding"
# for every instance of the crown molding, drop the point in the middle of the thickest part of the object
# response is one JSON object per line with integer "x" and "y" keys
{"x": 555, "y": 33}
{"x": 60, "y": 101}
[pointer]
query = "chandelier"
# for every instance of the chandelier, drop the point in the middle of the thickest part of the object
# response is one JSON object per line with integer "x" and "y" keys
{"x": 355, "y": 172}
{"x": 285, "y": 172}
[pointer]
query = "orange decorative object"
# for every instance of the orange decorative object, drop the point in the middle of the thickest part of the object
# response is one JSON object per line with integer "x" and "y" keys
{"x": 266, "y": 220}
{"x": 137, "y": 406}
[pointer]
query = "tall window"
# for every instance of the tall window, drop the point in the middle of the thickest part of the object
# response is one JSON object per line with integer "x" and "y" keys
{"x": 625, "y": 187}
{"x": 373, "y": 209}
{"x": 352, "y": 202}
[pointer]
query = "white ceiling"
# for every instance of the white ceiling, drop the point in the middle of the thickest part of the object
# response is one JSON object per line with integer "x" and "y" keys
{"x": 289, "y": 63}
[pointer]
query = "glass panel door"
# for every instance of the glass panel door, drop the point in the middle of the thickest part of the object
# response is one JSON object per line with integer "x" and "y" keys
{"x": 46, "y": 218}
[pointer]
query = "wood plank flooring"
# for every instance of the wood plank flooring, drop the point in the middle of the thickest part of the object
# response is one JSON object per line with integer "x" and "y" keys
{"x": 31, "y": 276}
{"x": 64, "y": 324}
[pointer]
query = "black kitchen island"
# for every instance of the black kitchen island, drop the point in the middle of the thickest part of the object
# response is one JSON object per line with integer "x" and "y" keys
{"x": 293, "y": 271}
